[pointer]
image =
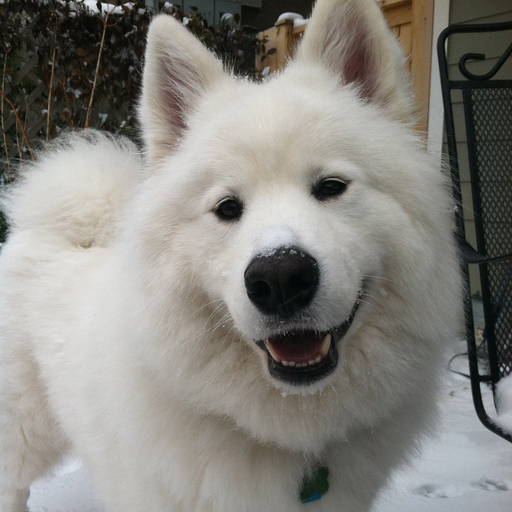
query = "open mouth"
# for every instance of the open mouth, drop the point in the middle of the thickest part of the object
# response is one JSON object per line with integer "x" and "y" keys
{"x": 302, "y": 357}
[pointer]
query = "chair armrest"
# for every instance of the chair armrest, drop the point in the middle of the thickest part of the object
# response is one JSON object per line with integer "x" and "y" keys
{"x": 469, "y": 255}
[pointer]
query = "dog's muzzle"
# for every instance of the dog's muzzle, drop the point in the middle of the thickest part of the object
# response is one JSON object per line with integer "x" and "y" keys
{"x": 280, "y": 284}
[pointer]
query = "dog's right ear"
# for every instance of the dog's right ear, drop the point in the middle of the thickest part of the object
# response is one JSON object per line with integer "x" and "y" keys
{"x": 351, "y": 39}
{"x": 177, "y": 72}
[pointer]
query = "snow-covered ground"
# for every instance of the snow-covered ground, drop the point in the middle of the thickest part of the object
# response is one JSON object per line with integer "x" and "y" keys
{"x": 465, "y": 469}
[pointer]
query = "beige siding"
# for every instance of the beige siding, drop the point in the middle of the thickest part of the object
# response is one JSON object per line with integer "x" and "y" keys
{"x": 493, "y": 46}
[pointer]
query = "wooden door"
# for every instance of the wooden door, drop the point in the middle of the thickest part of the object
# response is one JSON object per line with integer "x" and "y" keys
{"x": 412, "y": 22}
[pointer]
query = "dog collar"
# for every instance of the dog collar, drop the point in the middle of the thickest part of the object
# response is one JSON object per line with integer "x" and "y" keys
{"x": 314, "y": 486}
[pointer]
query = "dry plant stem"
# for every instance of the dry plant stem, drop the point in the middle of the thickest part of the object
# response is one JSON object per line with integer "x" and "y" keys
{"x": 26, "y": 113}
{"x": 20, "y": 152}
{"x": 89, "y": 110}
{"x": 20, "y": 124}
{"x": 50, "y": 98}
{"x": 3, "y": 128}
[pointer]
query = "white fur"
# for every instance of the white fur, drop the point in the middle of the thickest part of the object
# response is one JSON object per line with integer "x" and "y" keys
{"x": 126, "y": 331}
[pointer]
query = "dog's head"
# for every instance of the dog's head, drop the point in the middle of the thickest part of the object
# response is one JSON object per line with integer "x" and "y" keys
{"x": 290, "y": 229}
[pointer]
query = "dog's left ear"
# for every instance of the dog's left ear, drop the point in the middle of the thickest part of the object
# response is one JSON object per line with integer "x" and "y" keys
{"x": 177, "y": 72}
{"x": 352, "y": 39}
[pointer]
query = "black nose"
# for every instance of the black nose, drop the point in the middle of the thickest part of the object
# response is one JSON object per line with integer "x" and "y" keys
{"x": 282, "y": 282}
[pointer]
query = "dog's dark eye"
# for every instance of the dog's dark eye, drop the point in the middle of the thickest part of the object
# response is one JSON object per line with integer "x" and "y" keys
{"x": 330, "y": 187}
{"x": 229, "y": 209}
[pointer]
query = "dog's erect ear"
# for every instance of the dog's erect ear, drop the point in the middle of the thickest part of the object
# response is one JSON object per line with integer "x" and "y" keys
{"x": 352, "y": 39}
{"x": 177, "y": 72}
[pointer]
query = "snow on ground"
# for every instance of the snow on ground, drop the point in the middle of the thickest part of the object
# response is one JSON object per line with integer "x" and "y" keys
{"x": 465, "y": 469}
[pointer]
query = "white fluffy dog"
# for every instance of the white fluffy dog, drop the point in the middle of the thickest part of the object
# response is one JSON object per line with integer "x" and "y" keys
{"x": 252, "y": 315}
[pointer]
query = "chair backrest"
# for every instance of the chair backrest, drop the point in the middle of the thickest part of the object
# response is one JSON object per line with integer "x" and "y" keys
{"x": 487, "y": 111}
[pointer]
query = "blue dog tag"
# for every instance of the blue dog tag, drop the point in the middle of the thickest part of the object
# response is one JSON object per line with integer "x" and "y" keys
{"x": 315, "y": 486}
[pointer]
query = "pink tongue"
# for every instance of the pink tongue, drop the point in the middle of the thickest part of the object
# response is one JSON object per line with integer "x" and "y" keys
{"x": 300, "y": 347}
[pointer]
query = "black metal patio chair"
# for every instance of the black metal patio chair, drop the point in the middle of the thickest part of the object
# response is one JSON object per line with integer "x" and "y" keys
{"x": 486, "y": 104}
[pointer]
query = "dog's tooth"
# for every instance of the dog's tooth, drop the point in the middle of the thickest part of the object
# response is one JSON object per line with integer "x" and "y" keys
{"x": 311, "y": 362}
{"x": 291, "y": 363}
{"x": 270, "y": 348}
{"x": 284, "y": 363}
{"x": 324, "y": 348}
{"x": 318, "y": 359}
